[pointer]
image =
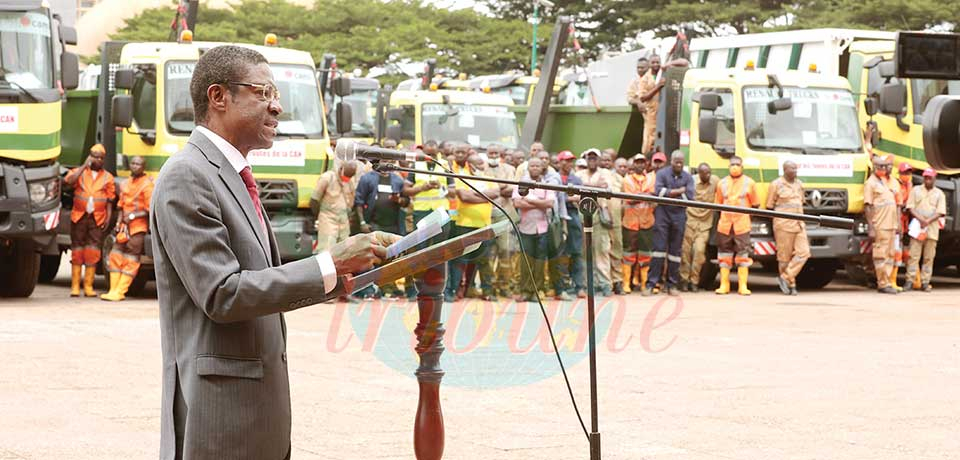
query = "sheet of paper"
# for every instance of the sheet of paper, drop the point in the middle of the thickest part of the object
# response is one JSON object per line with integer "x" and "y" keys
{"x": 427, "y": 228}
{"x": 914, "y": 228}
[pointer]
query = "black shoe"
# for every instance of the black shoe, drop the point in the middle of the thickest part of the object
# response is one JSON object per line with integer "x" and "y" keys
{"x": 907, "y": 287}
{"x": 646, "y": 292}
{"x": 925, "y": 288}
{"x": 684, "y": 286}
{"x": 887, "y": 290}
{"x": 694, "y": 287}
{"x": 784, "y": 286}
{"x": 673, "y": 291}
{"x": 793, "y": 291}
{"x": 618, "y": 288}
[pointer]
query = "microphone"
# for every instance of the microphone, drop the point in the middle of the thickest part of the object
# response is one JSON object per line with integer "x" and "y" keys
{"x": 350, "y": 150}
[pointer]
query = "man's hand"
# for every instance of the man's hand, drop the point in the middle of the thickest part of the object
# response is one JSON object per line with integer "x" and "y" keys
{"x": 871, "y": 234}
{"x": 360, "y": 253}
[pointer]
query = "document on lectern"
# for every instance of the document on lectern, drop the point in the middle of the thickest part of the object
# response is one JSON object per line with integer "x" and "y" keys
{"x": 428, "y": 227}
{"x": 423, "y": 259}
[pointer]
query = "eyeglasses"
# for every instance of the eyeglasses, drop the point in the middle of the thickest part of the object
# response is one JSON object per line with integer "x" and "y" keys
{"x": 266, "y": 92}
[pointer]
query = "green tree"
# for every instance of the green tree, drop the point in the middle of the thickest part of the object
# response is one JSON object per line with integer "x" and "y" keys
{"x": 362, "y": 33}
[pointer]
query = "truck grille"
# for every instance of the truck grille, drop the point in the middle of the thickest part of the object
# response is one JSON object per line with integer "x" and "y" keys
{"x": 278, "y": 193}
{"x": 820, "y": 200}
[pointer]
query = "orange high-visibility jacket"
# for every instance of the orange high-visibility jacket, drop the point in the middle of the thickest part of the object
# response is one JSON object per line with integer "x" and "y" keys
{"x": 135, "y": 195}
{"x": 741, "y": 191}
{"x": 102, "y": 189}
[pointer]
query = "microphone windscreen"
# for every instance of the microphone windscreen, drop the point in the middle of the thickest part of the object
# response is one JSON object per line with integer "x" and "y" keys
{"x": 346, "y": 150}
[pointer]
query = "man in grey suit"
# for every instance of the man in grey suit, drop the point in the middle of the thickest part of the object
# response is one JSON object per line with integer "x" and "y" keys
{"x": 221, "y": 286}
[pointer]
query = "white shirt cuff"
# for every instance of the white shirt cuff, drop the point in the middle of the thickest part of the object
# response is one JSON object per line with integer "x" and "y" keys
{"x": 328, "y": 270}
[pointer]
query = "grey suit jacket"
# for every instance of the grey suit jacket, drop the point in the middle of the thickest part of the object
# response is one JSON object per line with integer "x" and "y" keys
{"x": 222, "y": 292}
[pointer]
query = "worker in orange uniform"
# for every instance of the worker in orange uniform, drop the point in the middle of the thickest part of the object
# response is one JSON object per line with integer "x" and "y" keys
{"x": 880, "y": 199}
{"x": 905, "y": 180}
{"x": 134, "y": 208}
{"x": 733, "y": 230}
{"x": 637, "y": 227}
{"x": 93, "y": 191}
{"x": 793, "y": 249}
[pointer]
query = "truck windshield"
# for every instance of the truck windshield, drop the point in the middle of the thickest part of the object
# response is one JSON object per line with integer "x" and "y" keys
{"x": 820, "y": 120}
{"x": 477, "y": 125}
{"x": 924, "y": 90}
{"x": 516, "y": 92}
{"x": 299, "y": 97}
{"x": 25, "y": 50}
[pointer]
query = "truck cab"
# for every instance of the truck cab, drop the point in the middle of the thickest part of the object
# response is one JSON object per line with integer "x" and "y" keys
{"x": 443, "y": 115}
{"x": 767, "y": 118}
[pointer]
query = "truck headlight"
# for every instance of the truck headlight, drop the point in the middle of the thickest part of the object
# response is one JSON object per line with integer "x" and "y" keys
{"x": 44, "y": 191}
{"x": 760, "y": 228}
{"x": 861, "y": 228}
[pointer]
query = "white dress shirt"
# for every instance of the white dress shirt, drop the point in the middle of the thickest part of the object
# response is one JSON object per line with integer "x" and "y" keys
{"x": 238, "y": 161}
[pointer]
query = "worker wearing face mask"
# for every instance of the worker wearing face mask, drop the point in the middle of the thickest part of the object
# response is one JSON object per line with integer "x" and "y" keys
{"x": 733, "y": 230}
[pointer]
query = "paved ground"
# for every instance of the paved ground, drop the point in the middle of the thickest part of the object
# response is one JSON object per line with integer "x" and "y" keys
{"x": 841, "y": 373}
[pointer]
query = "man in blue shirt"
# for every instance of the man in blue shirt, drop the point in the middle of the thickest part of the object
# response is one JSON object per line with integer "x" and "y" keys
{"x": 670, "y": 222}
{"x": 572, "y": 266}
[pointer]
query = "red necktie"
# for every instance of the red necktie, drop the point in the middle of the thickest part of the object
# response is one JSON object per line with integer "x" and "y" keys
{"x": 247, "y": 175}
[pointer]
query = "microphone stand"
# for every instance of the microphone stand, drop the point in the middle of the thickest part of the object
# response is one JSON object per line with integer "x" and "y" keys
{"x": 588, "y": 205}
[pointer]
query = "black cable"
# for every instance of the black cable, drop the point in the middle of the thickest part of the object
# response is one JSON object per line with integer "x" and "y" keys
{"x": 543, "y": 310}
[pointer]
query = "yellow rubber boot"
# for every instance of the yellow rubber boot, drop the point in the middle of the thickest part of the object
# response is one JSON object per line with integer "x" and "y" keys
{"x": 75, "y": 281}
{"x": 636, "y": 276}
{"x": 724, "y": 281}
{"x": 893, "y": 278}
{"x": 916, "y": 281}
{"x": 742, "y": 275}
{"x": 644, "y": 272}
{"x": 88, "y": 274}
{"x": 114, "y": 281}
{"x": 122, "y": 286}
{"x": 627, "y": 279}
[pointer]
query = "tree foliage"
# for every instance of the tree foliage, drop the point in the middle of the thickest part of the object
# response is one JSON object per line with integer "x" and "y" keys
{"x": 615, "y": 24}
{"x": 361, "y": 33}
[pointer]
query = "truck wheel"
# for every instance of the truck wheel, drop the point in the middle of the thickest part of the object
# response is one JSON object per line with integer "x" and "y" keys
{"x": 19, "y": 269}
{"x": 709, "y": 270}
{"x": 816, "y": 274}
{"x": 49, "y": 266}
{"x": 857, "y": 273}
{"x": 139, "y": 282}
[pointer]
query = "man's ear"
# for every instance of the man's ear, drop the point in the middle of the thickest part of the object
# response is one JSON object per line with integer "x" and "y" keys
{"x": 217, "y": 98}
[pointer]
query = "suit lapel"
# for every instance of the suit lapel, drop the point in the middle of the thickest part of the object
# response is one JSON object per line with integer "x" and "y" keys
{"x": 272, "y": 239}
{"x": 232, "y": 180}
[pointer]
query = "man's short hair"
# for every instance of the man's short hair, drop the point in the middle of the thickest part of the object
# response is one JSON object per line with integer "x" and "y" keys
{"x": 703, "y": 164}
{"x": 643, "y": 59}
{"x": 736, "y": 158}
{"x": 219, "y": 65}
{"x": 430, "y": 142}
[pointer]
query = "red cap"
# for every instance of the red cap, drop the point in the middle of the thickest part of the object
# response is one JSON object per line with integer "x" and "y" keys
{"x": 929, "y": 172}
{"x": 659, "y": 156}
{"x": 565, "y": 155}
{"x": 904, "y": 167}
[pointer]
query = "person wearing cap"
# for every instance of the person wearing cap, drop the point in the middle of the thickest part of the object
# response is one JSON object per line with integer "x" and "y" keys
{"x": 880, "y": 201}
{"x": 697, "y": 233}
{"x": 902, "y": 255}
{"x": 926, "y": 205}
{"x": 637, "y": 228}
{"x": 733, "y": 229}
{"x": 93, "y": 191}
{"x": 608, "y": 161}
{"x": 571, "y": 263}
{"x": 131, "y": 230}
{"x": 595, "y": 176}
{"x": 785, "y": 194}
{"x": 669, "y": 223}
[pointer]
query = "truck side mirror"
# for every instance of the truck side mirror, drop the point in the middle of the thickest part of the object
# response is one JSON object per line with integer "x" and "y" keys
{"x": 394, "y": 132}
{"x": 121, "y": 110}
{"x": 708, "y": 128}
{"x": 124, "y": 79}
{"x": 69, "y": 70}
{"x": 344, "y": 118}
{"x": 68, "y": 35}
{"x": 341, "y": 86}
{"x": 710, "y": 101}
{"x": 887, "y": 69}
{"x": 870, "y": 105}
{"x": 779, "y": 105}
{"x": 893, "y": 98}
{"x": 394, "y": 114}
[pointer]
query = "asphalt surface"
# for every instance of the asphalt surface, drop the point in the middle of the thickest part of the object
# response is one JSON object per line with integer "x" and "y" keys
{"x": 841, "y": 373}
